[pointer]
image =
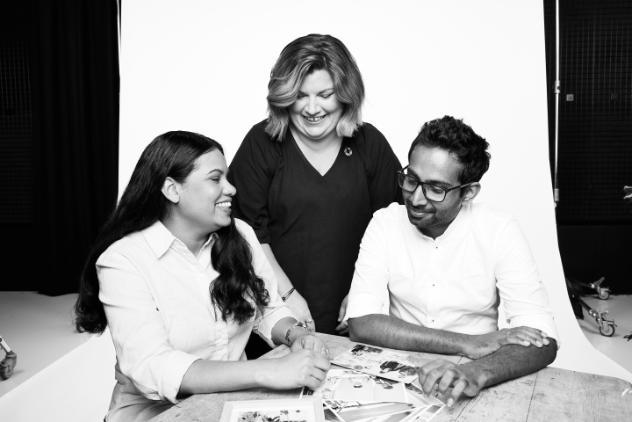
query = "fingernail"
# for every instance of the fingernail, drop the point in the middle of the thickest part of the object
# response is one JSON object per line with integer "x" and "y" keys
{"x": 450, "y": 402}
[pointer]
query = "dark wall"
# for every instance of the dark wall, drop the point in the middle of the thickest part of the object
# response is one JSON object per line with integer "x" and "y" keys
{"x": 16, "y": 148}
{"x": 595, "y": 136}
{"x": 59, "y": 87}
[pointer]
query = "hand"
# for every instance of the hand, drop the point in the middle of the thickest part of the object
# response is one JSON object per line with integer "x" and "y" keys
{"x": 485, "y": 344}
{"x": 343, "y": 327}
{"x": 627, "y": 193}
{"x": 309, "y": 341}
{"x": 449, "y": 381}
{"x": 297, "y": 369}
{"x": 299, "y": 307}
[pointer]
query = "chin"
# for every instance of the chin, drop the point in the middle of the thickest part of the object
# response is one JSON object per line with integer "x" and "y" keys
{"x": 226, "y": 222}
{"x": 223, "y": 222}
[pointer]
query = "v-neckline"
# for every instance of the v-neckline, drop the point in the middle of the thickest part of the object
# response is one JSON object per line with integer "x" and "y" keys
{"x": 309, "y": 164}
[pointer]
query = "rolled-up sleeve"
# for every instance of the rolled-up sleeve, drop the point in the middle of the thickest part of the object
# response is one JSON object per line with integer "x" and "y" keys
{"x": 523, "y": 295}
{"x": 369, "y": 288}
{"x": 140, "y": 339}
{"x": 276, "y": 309}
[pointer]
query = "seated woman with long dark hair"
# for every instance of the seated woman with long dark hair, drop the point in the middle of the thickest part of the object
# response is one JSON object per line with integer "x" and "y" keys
{"x": 181, "y": 284}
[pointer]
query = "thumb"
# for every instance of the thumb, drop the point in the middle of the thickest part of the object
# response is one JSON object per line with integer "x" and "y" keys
{"x": 343, "y": 308}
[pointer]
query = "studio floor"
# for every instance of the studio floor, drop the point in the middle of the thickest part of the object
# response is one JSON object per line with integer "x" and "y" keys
{"x": 40, "y": 330}
{"x": 617, "y": 347}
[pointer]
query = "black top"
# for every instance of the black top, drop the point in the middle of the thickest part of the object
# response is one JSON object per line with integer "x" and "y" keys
{"x": 313, "y": 222}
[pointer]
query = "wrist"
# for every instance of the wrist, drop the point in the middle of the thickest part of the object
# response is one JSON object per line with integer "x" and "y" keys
{"x": 480, "y": 376}
{"x": 295, "y": 331}
{"x": 264, "y": 372}
{"x": 467, "y": 345}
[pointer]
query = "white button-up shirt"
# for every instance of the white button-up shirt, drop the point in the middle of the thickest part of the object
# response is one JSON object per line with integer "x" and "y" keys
{"x": 156, "y": 296}
{"x": 454, "y": 282}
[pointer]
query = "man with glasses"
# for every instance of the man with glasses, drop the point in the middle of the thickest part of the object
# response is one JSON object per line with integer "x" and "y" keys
{"x": 431, "y": 273}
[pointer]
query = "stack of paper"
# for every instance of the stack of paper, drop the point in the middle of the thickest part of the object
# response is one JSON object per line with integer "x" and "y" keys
{"x": 374, "y": 385}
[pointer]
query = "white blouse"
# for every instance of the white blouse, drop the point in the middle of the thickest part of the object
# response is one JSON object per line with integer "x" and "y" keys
{"x": 156, "y": 296}
{"x": 455, "y": 282}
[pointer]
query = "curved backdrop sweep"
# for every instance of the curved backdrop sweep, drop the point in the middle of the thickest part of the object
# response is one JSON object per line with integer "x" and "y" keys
{"x": 204, "y": 66}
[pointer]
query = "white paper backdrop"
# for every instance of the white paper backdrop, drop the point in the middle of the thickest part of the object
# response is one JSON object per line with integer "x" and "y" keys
{"x": 204, "y": 66}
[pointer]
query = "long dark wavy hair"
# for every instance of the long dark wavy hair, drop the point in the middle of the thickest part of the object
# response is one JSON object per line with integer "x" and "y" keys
{"x": 172, "y": 154}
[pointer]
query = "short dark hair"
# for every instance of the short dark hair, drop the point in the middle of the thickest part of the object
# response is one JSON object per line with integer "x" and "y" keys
{"x": 459, "y": 139}
{"x": 299, "y": 59}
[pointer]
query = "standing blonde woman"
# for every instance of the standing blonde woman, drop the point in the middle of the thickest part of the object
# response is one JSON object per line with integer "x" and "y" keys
{"x": 310, "y": 176}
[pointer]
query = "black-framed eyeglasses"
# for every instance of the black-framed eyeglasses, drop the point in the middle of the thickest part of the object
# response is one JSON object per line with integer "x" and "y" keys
{"x": 434, "y": 193}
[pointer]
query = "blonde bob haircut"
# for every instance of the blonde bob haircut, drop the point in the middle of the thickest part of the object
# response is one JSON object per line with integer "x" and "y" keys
{"x": 300, "y": 58}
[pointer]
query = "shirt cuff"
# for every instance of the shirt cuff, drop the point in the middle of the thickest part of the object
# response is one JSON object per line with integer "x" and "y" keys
{"x": 170, "y": 372}
{"x": 270, "y": 318}
{"x": 365, "y": 304}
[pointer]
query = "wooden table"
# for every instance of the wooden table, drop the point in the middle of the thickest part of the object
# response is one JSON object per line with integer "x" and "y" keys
{"x": 550, "y": 395}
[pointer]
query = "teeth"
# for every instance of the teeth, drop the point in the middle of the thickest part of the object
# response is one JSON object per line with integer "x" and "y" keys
{"x": 314, "y": 119}
{"x": 223, "y": 204}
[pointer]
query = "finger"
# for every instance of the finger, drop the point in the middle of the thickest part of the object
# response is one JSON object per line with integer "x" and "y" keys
{"x": 342, "y": 328}
{"x": 457, "y": 391}
{"x": 432, "y": 378}
{"x": 309, "y": 343}
{"x": 524, "y": 339}
{"x": 321, "y": 362}
{"x": 310, "y": 324}
{"x": 342, "y": 311}
{"x": 296, "y": 346}
{"x": 536, "y": 333}
{"x": 313, "y": 382}
{"x": 319, "y": 374}
{"x": 446, "y": 380}
{"x": 299, "y": 344}
{"x": 519, "y": 336}
{"x": 320, "y": 347}
{"x": 325, "y": 352}
{"x": 528, "y": 336}
{"x": 425, "y": 370}
{"x": 525, "y": 331}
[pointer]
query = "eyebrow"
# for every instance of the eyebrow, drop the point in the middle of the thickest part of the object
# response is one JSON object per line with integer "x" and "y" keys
{"x": 215, "y": 170}
{"x": 430, "y": 182}
{"x": 319, "y": 92}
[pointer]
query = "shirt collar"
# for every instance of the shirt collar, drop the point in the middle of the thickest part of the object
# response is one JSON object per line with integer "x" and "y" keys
{"x": 160, "y": 238}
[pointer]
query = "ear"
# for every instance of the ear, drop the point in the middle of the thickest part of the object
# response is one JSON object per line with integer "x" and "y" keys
{"x": 471, "y": 191}
{"x": 170, "y": 190}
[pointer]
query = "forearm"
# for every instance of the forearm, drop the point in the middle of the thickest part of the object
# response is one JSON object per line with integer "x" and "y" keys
{"x": 283, "y": 282}
{"x": 509, "y": 362}
{"x": 388, "y": 331}
{"x": 207, "y": 376}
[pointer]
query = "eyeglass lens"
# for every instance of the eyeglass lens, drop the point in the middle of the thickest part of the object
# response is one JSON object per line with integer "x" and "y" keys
{"x": 431, "y": 192}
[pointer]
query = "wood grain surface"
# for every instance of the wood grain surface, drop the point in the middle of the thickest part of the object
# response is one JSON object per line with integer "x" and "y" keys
{"x": 550, "y": 395}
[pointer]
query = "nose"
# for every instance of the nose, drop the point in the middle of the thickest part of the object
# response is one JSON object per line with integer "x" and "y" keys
{"x": 312, "y": 105}
{"x": 418, "y": 197}
{"x": 229, "y": 189}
